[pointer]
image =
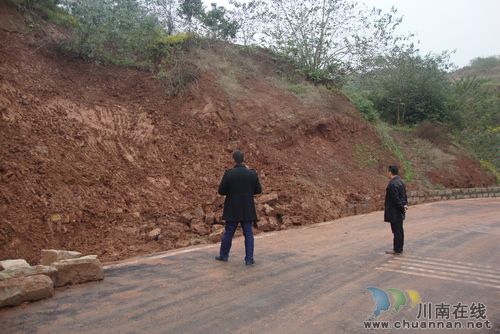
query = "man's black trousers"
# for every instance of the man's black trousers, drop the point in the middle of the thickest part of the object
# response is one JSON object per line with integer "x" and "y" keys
{"x": 399, "y": 235}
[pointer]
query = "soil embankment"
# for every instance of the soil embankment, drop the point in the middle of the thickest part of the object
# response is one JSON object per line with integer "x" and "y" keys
{"x": 94, "y": 157}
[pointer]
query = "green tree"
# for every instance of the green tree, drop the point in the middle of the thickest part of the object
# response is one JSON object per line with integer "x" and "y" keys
{"x": 329, "y": 38}
{"x": 486, "y": 62}
{"x": 249, "y": 16}
{"x": 190, "y": 10}
{"x": 407, "y": 88}
{"x": 167, "y": 13}
{"x": 119, "y": 31}
{"x": 218, "y": 24}
{"x": 479, "y": 107}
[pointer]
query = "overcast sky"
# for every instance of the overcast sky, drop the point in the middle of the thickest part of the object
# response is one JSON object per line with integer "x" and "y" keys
{"x": 471, "y": 27}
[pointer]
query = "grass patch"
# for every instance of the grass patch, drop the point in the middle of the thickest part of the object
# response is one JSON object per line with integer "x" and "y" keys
{"x": 390, "y": 144}
{"x": 491, "y": 168}
{"x": 48, "y": 10}
{"x": 438, "y": 186}
{"x": 58, "y": 16}
{"x": 297, "y": 89}
{"x": 364, "y": 156}
{"x": 362, "y": 103}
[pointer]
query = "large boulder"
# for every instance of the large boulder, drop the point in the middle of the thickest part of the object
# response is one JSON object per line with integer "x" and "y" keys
{"x": 14, "y": 264}
{"x": 29, "y": 271}
{"x": 80, "y": 270}
{"x": 15, "y": 291}
{"x": 50, "y": 256}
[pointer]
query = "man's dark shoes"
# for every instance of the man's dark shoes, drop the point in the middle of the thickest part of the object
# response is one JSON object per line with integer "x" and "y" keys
{"x": 220, "y": 258}
{"x": 393, "y": 252}
{"x": 249, "y": 262}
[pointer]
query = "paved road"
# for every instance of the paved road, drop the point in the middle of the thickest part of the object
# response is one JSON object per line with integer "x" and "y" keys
{"x": 309, "y": 280}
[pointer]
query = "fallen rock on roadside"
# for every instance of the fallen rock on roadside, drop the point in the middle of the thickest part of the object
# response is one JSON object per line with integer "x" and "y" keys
{"x": 14, "y": 264}
{"x": 199, "y": 227}
{"x": 20, "y": 282}
{"x": 80, "y": 270}
{"x": 268, "y": 224}
{"x": 48, "y": 271}
{"x": 15, "y": 291}
{"x": 50, "y": 256}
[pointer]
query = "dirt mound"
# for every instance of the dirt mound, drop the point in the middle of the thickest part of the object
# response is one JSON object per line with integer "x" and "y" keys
{"x": 94, "y": 158}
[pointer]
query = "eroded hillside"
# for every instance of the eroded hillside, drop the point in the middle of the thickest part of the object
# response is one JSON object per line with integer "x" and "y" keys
{"x": 94, "y": 157}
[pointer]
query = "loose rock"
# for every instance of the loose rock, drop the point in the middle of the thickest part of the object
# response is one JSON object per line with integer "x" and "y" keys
{"x": 269, "y": 210}
{"x": 15, "y": 291}
{"x": 279, "y": 210}
{"x": 80, "y": 270}
{"x": 216, "y": 234}
{"x": 50, "y": 256}
{"x": 29, "y": 271}
{"x": 14, "y": 264}
{"x": 198, "y": 213}
{"x": 268, "y": 198}
{"x": 185, "y": 218}
{"x": 268, "y": 224}
{"x": 199, "y": 227}
{"x": 209, "y": 218}
{"x": 154, "y": 234}
{"x": 182, "y": 243}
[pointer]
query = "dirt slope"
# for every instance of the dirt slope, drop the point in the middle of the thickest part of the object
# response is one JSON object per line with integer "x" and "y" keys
{"x": 92, "y": 158}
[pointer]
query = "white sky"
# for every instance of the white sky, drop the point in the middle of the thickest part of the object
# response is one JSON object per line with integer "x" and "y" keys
{"x": 471, "y": 27}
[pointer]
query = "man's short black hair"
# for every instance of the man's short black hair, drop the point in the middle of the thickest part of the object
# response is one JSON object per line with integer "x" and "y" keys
{"x": 394, "y": 169}
{"x": 238, "y": 156}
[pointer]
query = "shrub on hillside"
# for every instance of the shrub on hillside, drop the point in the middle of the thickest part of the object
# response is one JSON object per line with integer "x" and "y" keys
{"x": 486, "y": 62}
{"x": 479, "y": 107}
{"x": 363, "y": 104}
{"x": 179, "y": 76}
{"x": 48, "y": 10}
{"x": 120, "y": 32}
{"x": 436, "y": 133}
{"x": 383, "y": 131}
{"x": 297, "y": 89}
{"x": 408, "y": 88}
{"x": 164, "y": 46}
{"x": 492, "y": 169}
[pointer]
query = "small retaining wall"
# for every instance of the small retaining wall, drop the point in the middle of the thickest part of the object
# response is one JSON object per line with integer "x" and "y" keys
{"x": 417, "y": 197}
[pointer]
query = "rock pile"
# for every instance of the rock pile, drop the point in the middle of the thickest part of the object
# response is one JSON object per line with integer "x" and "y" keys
{"x": 20, "y": 282}
{"x": 271, "y": 209}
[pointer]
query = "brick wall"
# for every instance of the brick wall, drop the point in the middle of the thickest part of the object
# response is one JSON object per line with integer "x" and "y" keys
{"x": 417, "y": 197}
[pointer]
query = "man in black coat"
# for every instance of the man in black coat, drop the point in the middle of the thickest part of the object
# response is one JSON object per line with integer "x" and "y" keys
{"x": 239, "y": 185}
{"x": 396, "y": 204}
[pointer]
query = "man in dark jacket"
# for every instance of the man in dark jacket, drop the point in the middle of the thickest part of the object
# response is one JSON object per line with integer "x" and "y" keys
{"x": 239, "y": 185}
{"x": 395, "y": 208}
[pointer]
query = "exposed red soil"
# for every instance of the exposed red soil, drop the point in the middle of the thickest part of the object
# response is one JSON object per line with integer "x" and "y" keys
{"x": 467, "y": 173}
{"x": 92, "y": 158}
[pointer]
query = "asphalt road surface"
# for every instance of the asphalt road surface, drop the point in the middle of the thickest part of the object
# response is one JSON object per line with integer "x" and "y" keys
{"x": 307, "y": 280}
